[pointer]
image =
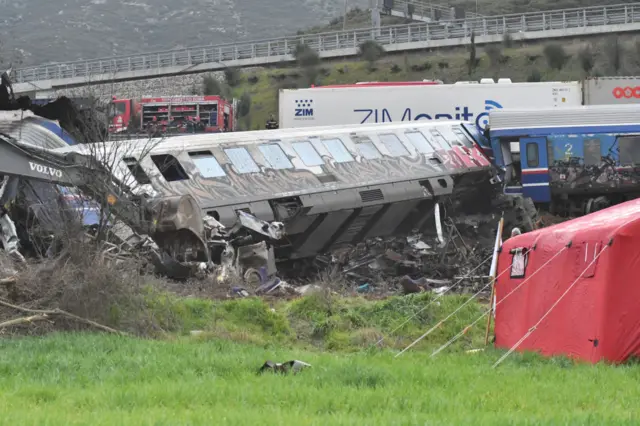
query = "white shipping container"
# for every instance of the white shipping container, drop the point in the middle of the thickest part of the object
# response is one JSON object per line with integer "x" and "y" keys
{"x": 378, "y": 104}
{"x": 611, "y": 90}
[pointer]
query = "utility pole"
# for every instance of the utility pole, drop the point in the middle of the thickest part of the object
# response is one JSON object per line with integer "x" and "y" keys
{"x": 344, "y": 17}
{"x": 375, "y": 16}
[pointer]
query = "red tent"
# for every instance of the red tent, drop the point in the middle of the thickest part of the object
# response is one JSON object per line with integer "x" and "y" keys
{"x": 598, "y": 318}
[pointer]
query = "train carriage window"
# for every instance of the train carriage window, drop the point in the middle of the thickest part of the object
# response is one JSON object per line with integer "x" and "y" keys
{"x": 275, "y": 156}
{"x": 136, "y": 170}
{"x": 449, "y": 135}
{"x": 170, "y": 167}
{"x": 366, "y": 147}
{"x": 421, "y": 143}
{"x": 462, "y": 137}
{"x": 532, "y": 155}
{"x": 307, "y": 154}
{"x": 550, "y": 155}
{"x": 242, "y": 160}
{"x": 393, "y": 144}
{"x": 592, "y": 155}
{"x": 440, "y": 141}
{"x": 629, "y": 150}
{"x": 368, "y": 150}
{"x": 337, "y": 150}
{"x": 207, "y": 164}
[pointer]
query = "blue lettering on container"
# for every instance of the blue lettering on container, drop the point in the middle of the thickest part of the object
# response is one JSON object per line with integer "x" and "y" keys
{"x": 462, "y": 113}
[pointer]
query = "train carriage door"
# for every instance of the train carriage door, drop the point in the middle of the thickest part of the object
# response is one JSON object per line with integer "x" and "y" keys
{"x": 535, "y": 169}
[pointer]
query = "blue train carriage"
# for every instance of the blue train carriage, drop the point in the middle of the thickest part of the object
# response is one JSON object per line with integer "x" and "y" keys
{"x": 572, "y": 160}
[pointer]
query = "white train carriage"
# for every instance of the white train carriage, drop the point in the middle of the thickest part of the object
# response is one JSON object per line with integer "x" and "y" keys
{"x": 330, "y": 186}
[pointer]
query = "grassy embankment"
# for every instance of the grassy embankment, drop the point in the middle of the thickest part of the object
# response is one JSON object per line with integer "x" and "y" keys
{"x": 518, "y": 62}
{"x": 210, "y": 379}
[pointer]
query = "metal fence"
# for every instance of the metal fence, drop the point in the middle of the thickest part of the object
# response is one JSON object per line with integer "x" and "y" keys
{"x": 265, "y": 51}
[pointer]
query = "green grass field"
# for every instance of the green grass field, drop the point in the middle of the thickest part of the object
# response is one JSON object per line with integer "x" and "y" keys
{"x": 107, "y": 380}
{"x": 210, "y": 379}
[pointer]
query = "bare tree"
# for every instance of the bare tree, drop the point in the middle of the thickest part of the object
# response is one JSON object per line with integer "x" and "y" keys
{"x": 615, "y": 53}
{"x": 473, "y": 61}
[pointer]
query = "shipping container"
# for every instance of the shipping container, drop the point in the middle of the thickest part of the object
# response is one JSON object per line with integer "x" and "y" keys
{"x": 466, "y": 101}
{"x": 611, "y": 90}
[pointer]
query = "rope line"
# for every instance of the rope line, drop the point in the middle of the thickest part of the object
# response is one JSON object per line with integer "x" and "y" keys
{"x": 457, "y": 336}
{"x": 453, "y": 313}
{"x": 431, "y": 302}
{"x": 535, "y": 326}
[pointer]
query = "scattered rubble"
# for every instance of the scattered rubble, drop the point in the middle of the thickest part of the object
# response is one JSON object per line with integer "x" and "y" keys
{"x": 293, "y": 366}
{"x": 449, "y": 249}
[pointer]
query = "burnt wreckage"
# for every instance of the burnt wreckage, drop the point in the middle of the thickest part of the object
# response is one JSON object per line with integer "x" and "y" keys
{"x": 313, "y": 190}
{"x": 246, "y": 200}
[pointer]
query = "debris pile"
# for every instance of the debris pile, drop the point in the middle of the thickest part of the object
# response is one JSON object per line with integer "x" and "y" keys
{"x": 434, "y": 261}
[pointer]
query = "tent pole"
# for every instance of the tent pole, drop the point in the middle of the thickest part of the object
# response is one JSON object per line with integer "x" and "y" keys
{"x": 494, "y": 267}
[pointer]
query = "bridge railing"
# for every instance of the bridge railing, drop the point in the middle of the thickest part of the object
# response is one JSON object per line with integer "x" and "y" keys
{"x": 270, "y": 50}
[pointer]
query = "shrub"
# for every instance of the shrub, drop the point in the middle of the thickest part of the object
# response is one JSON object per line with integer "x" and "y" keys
{"x": 507, "y": 41}
{"x": 307, "y": 59}
{"x": 534, "y": 76}
{"x": 211, "y": 86}
{"x": 370, "y": 51}
{"x": 232, "y": 76}
{"x": 306, "y": 56}
{"x": 555, "y": 55}
{"x": 494, "y": 53}
{"x": 244, "y": 105}
{"x": 587, "y": 59}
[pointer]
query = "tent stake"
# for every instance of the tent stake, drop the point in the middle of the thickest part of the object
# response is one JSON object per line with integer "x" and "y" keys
{"x": 494, "y": 267}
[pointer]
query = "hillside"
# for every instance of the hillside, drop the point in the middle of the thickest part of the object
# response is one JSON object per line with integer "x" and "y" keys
{"x": 63, "y": 30}
{"x": 520, "y": 63}
{"x": 42, "y": 31}
{"x": 502, "y": 7}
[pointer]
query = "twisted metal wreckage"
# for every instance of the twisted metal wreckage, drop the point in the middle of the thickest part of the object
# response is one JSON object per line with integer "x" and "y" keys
{"x": 191, "y": 213}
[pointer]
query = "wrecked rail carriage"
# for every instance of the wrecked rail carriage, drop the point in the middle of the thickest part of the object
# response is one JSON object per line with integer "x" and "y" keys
{"x": 330, "y": 186}
{"x": 572, "y": 161}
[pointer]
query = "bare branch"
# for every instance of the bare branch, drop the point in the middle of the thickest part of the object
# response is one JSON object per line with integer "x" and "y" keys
{"x": 60, "y": 312}
{"x": 23, "y": 320}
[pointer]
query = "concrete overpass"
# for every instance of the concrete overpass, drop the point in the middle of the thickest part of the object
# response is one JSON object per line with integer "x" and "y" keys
{"x": 529, "y": 26}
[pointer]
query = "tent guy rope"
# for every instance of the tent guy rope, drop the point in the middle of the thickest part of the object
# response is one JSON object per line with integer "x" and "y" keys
{"x": 472, "y": 298}
{"x": 431, "y": 302}
{"x": 535, "y": 326}
{"x": 467, "y": 328}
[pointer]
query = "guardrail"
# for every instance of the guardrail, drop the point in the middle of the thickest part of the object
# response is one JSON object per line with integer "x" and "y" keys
{"x": 334, "y": 43}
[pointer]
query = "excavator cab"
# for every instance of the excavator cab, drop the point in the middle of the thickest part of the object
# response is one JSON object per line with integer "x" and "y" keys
{"x": 7, "y": 97}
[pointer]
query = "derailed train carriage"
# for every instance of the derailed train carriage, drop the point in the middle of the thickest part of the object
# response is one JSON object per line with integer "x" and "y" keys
{"x": 329, "y": 186}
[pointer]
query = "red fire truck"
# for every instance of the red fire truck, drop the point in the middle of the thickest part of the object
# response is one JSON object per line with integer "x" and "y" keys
{"x": 172, "y": 114}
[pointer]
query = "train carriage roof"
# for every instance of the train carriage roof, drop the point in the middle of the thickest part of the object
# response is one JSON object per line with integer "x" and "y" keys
{"x": 191, "y": 142}
{"x": 501, "y": 120}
